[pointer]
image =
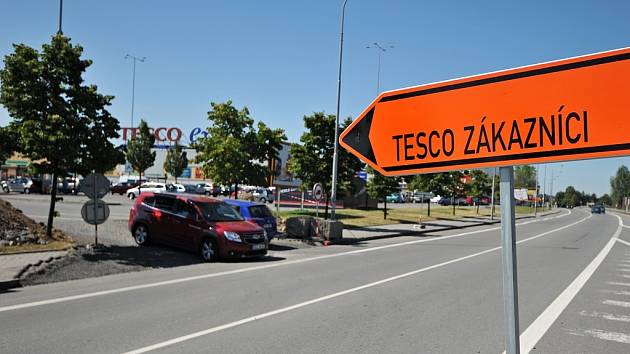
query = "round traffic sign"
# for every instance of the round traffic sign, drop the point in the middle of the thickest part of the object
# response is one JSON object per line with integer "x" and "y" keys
{"x": 318, "y": 192}
{"x": 95, "y": 212}
{"x": 95, "y": 185}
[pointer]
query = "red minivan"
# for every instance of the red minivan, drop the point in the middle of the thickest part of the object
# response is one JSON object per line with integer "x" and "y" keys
{"x": 200, "y": 224}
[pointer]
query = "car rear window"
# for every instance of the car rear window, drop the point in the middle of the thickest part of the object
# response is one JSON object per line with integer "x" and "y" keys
{"x": 218, "y": 212}
{"x": 259, "y": 211}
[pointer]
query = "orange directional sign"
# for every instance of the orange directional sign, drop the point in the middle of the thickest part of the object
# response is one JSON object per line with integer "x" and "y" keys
{"x": 571, "y": 109}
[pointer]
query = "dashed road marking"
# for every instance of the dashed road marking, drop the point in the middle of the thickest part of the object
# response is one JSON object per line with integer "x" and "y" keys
{"x": 618, "y": 283}
{"x": 617, "y": 303}
{"x": 604, "y": 335}
{"x": 617, "y": 292}
{"x": 607, "y": 316}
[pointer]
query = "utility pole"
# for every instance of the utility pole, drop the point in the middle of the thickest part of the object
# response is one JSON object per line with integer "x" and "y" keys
{"x": 133, "y": 84}
{"x": 59, "y": 32}
{"x": 333, "y": 197}
{"x": 380, "y": 51}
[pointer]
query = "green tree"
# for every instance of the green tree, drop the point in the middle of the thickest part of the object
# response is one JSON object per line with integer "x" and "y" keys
{"x": 311, "y": 161}
{"x": 571, "y": 197}
{"x": 234, "y": 152}
{"x": 139, "y": 152}
{"x": 380, "y": 186}
{"x": 605, "y": 199}
{"x": 525, "y": 177}
{"x": 480, "y": 185}
{"x": 176, "y": 161}
{"x": 444, "y": 184}
{"x": 8, "y": 144}
{"x": 620, "y": 186}
{"x": 57, "y": 120}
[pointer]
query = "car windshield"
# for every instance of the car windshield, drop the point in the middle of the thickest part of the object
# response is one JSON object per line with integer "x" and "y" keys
{"x": 218, "y": 212}
{"x": 259, "y": 211}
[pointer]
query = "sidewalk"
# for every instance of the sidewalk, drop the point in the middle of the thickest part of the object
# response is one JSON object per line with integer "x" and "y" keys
{"x": 12, "y": 266}
{"x": 357, "y": 234}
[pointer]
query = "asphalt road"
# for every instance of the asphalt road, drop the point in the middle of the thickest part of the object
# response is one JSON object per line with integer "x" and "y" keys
{"x": 433, "y": 294}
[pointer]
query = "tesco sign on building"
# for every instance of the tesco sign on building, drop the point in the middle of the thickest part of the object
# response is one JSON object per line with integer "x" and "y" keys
{"x": 165, "y": 135}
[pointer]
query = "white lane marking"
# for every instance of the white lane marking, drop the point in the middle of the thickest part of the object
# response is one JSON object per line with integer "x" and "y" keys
{"x": 624, "y": 242}
{"x": 604, "y": 335}
{"x": 618, "y": 283}
{"x": 607, "y": 316}
{"x": 328, "y": 297}
{"x": 243, "y": 270}
{"x": 616, "y": 303}
{"x": 623, "y": 269}
{"x": 539, "y": 327}
{"x": 616, "y": 292}
{"x": 624, "y": 276}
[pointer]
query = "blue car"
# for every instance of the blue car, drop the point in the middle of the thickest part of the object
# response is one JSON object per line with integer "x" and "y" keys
{"x": 258, "y": 213}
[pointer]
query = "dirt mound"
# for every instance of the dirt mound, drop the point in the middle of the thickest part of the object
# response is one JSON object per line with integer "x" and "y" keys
{"x": 17, "y": 229}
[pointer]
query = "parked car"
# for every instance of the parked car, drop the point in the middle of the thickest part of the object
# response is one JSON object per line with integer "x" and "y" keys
{"x": 445, "y": 201}
{"x": 146, "y": 187}
{"x": 175, "y": 188}
{"x": 207, "y": 226}
{"x": 20, "y": 185}
{"x": 436, "y": 199}
{"x": 258, "y": 213}
{"x": 394, "y": 198}
{"x": 598, "y": 209}
{"x": 68, "y": 185}
{"x": 420, "y": 197}
{"x": 190, "y": 188}
{"x": 5, "y": 186}
{"x": 122, "y": 187}
{"x": 208, "y": 189}
{"x": 263, "y": 195}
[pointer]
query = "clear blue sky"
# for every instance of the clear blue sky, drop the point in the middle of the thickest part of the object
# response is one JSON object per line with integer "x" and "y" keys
{"x": 279, "y": 58}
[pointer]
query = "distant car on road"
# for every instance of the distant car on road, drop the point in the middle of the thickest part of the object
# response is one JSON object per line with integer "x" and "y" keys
{"x": 20, "y": 185}
{"x": 175, "y": 188}
{"x": 209, "y": 227}
{"x": 122, "y": 187}
{"x": 394, "y": 198}
{"x": 598, "y": 209}
{"x": 263, "y": 195}
{"x": 208, "y": 189}
{"x": 146, "y": 187}
{"x": 258, "y": 213}
{"x": 436, "y": 199}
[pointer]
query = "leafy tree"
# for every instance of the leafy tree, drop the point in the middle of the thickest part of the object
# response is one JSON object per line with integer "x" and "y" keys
{"x": 312, "y": 162}
{"x": 445, "y": 184}
{"x": 480, "y": 186}
{"x": 176, "y": 161}
{"x": 525, "y": 176}
{"x": 234, "y": 152}
{"x": 605, "y": 199}
{"x": 269, "y": 146}
{"x": 380, "y": 186}
{"x": 571, "y": 197}
{"x": 139, "y": 152}
{"x": 8, "y": 144}
{"x": 620, "y": 186}
{"x": 58, "y": 121}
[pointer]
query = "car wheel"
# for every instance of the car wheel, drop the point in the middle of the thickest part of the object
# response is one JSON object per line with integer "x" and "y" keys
{"x": 27, "y": 191}
{"x": 208, "y": 250}
{"x": 263, "y": 200}
{"x": 131, "y": 196}
{"x": 207, "y": 193}
{"x": 141, "y": 235}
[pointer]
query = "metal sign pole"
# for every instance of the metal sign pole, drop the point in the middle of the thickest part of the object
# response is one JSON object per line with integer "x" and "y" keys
{"x": 95, "y": 215}
{"x": 508, "y": 251}
{"x": 494, "y": 175}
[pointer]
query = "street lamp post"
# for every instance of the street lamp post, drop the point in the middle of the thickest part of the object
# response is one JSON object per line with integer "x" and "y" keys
{"x": 133, "y": 83}
{"x": 60, "y": 16}
{"x": 380, "y": 51}
{"x": 333, "y": 197}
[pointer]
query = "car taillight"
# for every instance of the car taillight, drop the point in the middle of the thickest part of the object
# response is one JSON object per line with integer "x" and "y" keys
{"x": 157, "y": 213}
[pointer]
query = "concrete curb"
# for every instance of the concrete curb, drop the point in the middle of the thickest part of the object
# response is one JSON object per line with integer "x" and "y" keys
{"x": 16, "y": 281}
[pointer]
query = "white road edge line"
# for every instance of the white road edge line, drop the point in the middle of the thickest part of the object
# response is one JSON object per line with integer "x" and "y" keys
{"x": 539, "y": 327}
{"x": 624, "y": 242}
{"x": 242, "y": 270}
{"x": 331, "y": 296}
